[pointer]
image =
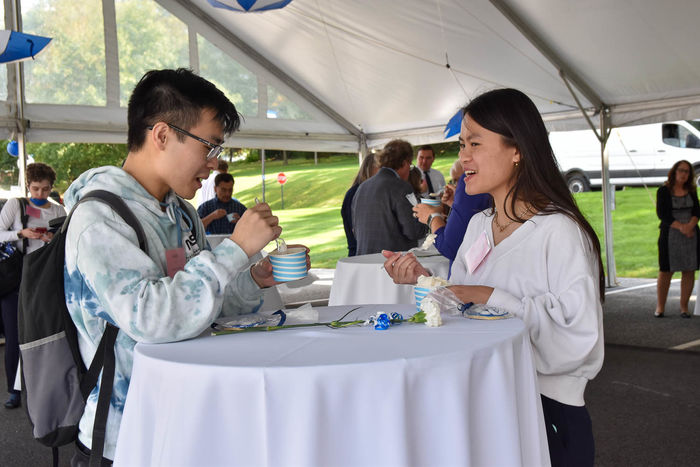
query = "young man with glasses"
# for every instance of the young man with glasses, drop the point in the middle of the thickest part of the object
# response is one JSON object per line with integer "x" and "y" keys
{"x": 177, "y": 122}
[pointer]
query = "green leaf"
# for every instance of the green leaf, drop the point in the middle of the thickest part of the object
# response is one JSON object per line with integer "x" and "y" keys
{"x": 418, "y": 317}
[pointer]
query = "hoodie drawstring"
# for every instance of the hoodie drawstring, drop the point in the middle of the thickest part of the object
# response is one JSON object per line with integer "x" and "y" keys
{"x": 176, "y": 215}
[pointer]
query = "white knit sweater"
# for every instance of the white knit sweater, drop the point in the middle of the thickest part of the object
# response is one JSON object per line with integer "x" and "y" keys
{"x": 545, "y": 273}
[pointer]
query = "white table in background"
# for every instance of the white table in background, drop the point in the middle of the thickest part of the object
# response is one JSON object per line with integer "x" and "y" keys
{"x": 361, "y": 280}
{"x": 461, "y": 394}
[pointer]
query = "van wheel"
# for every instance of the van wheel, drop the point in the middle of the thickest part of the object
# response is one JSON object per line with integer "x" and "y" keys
{"x": 577, "y": 183}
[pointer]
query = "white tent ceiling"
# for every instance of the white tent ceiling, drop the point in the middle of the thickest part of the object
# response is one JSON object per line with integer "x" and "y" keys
{"x": 377, "y": 69}
{"x": 381, "y": 65}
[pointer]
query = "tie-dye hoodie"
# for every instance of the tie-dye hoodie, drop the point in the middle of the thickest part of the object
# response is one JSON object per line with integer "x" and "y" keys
{"x": 109, "y": 278}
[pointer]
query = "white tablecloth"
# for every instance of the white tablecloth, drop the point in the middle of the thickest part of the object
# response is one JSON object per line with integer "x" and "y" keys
{"x": 361, "y": 280}
{"x": 461, "y": 394}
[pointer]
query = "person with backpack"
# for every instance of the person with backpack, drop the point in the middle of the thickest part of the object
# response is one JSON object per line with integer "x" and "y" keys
{"x": 177, "y": 122}
{"x": 24, "y": 224}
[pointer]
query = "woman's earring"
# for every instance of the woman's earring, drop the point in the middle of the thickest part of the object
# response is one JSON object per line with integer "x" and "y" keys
{"x": 516, "y": 164}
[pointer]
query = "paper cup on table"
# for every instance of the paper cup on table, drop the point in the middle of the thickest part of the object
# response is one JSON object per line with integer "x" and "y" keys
{"x": 431, "y": 201}
{"x": 288, "y": 266}
{"x": 420, "y": 293}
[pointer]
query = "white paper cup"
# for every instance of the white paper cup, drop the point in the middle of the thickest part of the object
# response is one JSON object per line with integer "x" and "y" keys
{"x": 288, "y": 266}
{"x": 419, "y": 293}
{"x": 431, "y": 201}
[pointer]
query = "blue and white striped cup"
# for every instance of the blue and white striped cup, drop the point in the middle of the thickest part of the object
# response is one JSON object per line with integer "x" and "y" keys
{"x": 288, "y": 266}
{"x": 431, "y": 201}
{"x": 420, "y": 293}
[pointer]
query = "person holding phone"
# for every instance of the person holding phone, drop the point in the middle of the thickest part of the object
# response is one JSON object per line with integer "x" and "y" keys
{"x": 39, "y": 211}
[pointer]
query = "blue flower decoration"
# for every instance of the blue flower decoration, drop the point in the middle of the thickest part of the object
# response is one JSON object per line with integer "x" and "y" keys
{"x": 396, "y": 317}
{"x": 383, "y": 322}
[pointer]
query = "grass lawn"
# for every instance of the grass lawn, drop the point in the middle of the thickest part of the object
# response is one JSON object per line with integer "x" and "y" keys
{"x": 313, "y": 195}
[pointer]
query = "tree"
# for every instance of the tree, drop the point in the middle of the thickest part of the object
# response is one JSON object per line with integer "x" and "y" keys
{"x": 71, "y": 160}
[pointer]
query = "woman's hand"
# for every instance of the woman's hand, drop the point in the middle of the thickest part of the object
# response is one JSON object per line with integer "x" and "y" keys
{"x": 448, "y": 196}
{"x": 31, "y": 233}
{"x": 472, "y": 293}
{"x": 262, "y": 270}
{"x": 690, "y": 230}
{"x": 403, "y": 269}
{"x": 423, "y": 211}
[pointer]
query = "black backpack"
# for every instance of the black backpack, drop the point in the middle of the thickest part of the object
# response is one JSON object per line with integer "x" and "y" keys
{"x": 54, "y": 377}
{"x": 11, "y": 263}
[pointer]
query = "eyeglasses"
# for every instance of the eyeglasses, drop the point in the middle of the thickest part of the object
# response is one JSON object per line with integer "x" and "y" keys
{"x": 683, "y": 171}
{"x": 214, "y": 149}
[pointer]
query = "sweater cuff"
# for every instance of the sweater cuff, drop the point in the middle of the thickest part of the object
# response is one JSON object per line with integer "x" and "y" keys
{"x": 503, "y": 300}
{"x": 230, "y": 255}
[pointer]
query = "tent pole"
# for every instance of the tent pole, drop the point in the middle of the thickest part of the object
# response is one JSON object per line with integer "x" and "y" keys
{"x": 611, "y": 276}
{"x": 362, "y": 150}
{"x": 20, "y": 124}
{"x": 262, "y": 158}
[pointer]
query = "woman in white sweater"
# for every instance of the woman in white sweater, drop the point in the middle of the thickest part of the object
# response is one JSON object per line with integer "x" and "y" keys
{"x": 534, "y": 255}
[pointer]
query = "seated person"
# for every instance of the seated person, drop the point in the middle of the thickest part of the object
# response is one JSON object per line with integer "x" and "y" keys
{"x": 220, "y": 214}
{"x": 207, "y": 191}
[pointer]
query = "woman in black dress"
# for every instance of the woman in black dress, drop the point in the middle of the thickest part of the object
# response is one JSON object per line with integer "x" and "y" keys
{"x": 677, "y": 207}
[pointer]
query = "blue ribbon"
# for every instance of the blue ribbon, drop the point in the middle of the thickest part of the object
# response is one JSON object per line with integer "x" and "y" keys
{"x": 382, "y": 322}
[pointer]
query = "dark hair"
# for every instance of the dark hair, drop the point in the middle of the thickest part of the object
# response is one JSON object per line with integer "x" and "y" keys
{"x": 369, "y": 163}
{"x": 426, "y": 147}
{"x": 415, "y": 177}
{"x": 177, "y": 97}
{"x": 395, "y": 153}
{"x": 39, "y": 171}
{"x": 689, "y": 184}
{"x": 222, "y": 166}
{"x": 223, "y": 178}
{"x": 536, "y": 178}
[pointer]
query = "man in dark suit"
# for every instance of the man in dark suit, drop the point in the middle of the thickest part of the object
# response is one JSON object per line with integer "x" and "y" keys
{"x": 382, "y": 216}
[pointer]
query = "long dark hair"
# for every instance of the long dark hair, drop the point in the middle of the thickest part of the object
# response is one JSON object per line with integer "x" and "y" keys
{"x": 689, "y": 184}
{"x": 369, "y": 163}
{"x": 536, "y": 178}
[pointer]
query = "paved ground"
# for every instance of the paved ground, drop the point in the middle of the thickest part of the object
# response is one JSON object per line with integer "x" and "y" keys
{"x": 644, "y": 403}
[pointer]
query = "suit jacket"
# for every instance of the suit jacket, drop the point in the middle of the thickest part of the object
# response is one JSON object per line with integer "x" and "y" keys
{"x": 382, "y": 217}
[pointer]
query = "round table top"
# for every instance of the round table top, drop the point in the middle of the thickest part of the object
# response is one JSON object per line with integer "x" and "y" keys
{"x": 321, "y": 345}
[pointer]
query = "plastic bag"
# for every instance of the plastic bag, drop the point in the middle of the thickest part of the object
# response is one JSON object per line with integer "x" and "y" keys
{"x": 450, "y": 304}
{"x": 446, "y": 300}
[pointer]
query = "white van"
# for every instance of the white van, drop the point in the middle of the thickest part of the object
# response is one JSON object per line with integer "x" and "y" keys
{"x": 637, "y": 155}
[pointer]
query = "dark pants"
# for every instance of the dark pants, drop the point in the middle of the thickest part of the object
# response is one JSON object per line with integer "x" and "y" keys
{"x": 569, "y": 434}
{"x": 81, "y": 457}
{"x": 8, "y": 304}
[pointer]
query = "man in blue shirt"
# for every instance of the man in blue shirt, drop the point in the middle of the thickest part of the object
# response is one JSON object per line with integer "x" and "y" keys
{"x": 220, "y": 214}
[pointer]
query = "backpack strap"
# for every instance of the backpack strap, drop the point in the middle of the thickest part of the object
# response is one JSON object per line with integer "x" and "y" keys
{"x": 119, "y": 206}
{"x": 25, "y": 218}
{"x": 99, "y": 429}
{"x": 104, "y": 358}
